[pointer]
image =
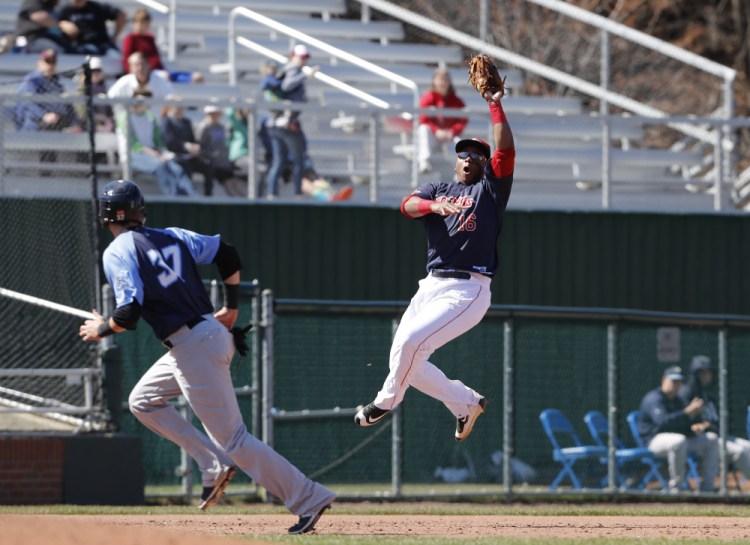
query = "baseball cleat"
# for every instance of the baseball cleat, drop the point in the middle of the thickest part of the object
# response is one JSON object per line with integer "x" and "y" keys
{"x": 369, "y": 415}
{"x": 307, "y": 523}
{"x": 465, "y": 424}
{"x": 211, "y": 494}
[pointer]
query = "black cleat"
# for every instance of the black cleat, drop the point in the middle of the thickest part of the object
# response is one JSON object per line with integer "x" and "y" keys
{"x": 211, "y": 494}
{"x": 307, "y": 523}
{"x": 369, "y": 415}
{"x": 465, "y": 424}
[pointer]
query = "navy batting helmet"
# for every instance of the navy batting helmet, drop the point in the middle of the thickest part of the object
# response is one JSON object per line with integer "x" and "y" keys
{"x": 121, "y": 201}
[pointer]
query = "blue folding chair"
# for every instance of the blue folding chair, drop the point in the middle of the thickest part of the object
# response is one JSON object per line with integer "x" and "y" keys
{"x": 692, "y": 464}
{"x": 599, "y": 429}
{"x": 560, "y": 431}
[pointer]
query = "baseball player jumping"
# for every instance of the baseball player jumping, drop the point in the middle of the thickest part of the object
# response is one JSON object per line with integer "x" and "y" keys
{"x": 154, "y": 275}
{"x": 463, "y": 219}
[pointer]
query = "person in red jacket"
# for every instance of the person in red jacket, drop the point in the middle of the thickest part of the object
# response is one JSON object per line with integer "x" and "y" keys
{"x": 141, "y": 40}
{"x": 436, "y": 130}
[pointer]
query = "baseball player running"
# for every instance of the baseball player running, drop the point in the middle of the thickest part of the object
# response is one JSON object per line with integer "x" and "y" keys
{"x": 154, "y": 275}
{"x": 463, "y": 219}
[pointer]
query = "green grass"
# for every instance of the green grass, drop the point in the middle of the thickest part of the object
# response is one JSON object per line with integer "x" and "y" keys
{"x": 369, "y": 508}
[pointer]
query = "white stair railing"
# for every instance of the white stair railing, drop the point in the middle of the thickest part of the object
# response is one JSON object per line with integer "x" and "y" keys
{"x": 323, "y": 46}
{"x": 601, "y": 92}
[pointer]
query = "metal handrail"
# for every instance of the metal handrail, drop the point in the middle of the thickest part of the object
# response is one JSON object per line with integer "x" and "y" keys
{"x": 317, "y": 74}
{"x": 721, "y": 139}
{"x": 323, "y": 46}
{"x": 532, "y": 66}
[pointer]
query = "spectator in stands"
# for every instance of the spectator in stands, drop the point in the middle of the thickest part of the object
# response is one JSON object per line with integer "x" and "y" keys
{"x": 437, "y": 130}
{"x": 270, "y": 86}
{"x": 140, "y": 75}
{"x": 38, "y": 24}
{"x": 212, "y": 136}
{"x": 287, "y": 140}
{"x": 314, "y": 185}
{"x": 88, "y": 26}
{"x": 45, "y": 116}
{"x": 147, "y": 151}
{"x": 672, "y": 429}
{"x": 700, "y": 385}
{"x": 238, "y": 137}
{"x": 104, "y": 119}
{"x": 141, "y": 40}
{"x": 179, "y": 138}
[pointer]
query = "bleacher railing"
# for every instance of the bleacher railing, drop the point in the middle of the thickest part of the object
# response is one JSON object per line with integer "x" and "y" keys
{"x": 64, "y": 394}
{"x": 723, "y": 155}
{"x": 637, "y": 173}
{"x": 331, "y": 50}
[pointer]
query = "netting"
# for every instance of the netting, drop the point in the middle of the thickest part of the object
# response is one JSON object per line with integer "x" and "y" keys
{"x": 161, "y": 458}
{"x": 328, "y": 360}
{"x": 48, "y": 253}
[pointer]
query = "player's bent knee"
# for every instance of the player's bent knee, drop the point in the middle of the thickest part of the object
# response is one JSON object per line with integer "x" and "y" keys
{"x": 139, "y": 404}
{"x": 233, "y": 441}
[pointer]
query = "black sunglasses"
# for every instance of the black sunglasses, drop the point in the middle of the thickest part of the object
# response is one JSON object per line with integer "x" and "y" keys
{"x": 473, "y": 155}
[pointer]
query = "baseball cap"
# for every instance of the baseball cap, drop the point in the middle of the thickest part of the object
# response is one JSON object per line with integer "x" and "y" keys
{"x": 477, "y": 143}
{"x": 300, "y": 51}
{"x": 49, "y": 55}
{"x": 700, "y": 362}
{"x": 95, "y": 63}
{"x": 674, "y": 373}
{"x": 211, "y": 109}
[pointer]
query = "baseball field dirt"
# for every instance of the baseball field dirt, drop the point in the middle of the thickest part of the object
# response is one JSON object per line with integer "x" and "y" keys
{"x": 224, "y": 529}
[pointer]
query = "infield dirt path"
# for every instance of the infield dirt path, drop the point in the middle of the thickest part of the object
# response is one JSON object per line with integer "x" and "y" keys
{"x": 220, "y": 529}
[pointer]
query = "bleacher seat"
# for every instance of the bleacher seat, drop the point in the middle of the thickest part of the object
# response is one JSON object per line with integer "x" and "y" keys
{"x": 556, "y": 141}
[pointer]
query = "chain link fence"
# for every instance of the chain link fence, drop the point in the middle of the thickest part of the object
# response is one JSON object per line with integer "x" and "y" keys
{"x": 332, "y": 357}
{"x": 45, "y": 371}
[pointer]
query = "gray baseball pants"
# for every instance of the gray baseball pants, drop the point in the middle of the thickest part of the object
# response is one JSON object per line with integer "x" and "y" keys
{"x": 197, "y": 367}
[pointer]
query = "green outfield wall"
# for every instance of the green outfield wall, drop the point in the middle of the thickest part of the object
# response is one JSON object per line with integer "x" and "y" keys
{"x": 680, "y": 263}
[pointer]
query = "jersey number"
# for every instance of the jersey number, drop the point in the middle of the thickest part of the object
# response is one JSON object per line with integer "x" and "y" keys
{"x": 467, "y": 223}
{"x": 169, "y": 275}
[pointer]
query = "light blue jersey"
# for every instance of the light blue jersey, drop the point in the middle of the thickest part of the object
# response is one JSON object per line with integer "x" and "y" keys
{"x": 158, "y": 268}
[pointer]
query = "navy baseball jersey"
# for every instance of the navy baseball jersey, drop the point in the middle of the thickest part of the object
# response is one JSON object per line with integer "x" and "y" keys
{"x": 468, "y": 241}
{"x": 158, "y": 268}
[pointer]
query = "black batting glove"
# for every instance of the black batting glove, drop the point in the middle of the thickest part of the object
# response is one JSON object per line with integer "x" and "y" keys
{"x": 240, "y": 342}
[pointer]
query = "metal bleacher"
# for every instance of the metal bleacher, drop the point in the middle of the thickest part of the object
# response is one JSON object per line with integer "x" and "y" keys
{"x": 559, "y": 143}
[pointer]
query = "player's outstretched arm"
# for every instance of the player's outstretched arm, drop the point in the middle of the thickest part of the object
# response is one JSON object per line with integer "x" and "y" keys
{"x": 485, "y": 78}
{"x": 501, "y": 128}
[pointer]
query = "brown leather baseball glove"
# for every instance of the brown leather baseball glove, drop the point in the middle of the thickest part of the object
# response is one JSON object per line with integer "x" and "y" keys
{"x": 485, "y": 78}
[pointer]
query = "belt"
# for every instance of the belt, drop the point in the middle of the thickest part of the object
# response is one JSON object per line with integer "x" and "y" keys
{"x": 191, "y": 323}
{"x": 443, "y": 273}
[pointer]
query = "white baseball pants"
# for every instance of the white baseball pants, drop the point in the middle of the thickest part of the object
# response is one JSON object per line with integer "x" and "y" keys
{"x": 441, "y": 310}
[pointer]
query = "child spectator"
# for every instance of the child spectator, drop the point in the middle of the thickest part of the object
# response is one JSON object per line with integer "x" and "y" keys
{"x": 141, "y": 40}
